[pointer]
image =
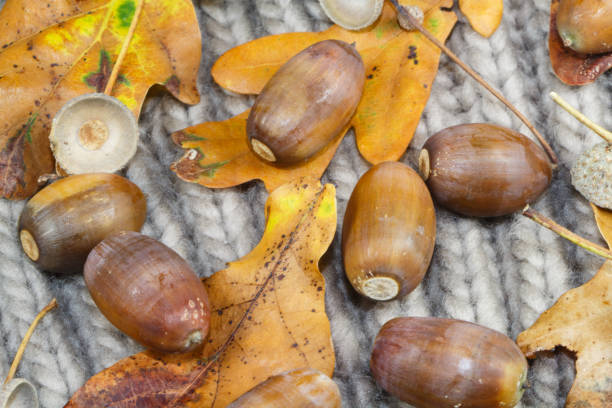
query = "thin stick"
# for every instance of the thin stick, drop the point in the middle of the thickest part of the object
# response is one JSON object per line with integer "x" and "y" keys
{"x": 126, "y": 44}
{"x": 549, "y": 151}
{"x": 567, "y": 234}
{"x": 604, "y": 133}
{"x": 26, "y": 339}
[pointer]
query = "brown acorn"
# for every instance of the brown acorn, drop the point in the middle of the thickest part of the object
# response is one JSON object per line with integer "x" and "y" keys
{"x": 586, "y": 25}
{"x": 301, "y": 388}
{"x": 443, "y": 363}
{"x": 389, "y": 232}
{"x": 307, "y": 103}
{"x": 148, "y": 292}
{"x": 483, "y": 170}
{"x": 60, "y": 225}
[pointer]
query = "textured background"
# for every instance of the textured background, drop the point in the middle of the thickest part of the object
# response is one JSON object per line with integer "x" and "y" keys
{"x": 501, "y": 273}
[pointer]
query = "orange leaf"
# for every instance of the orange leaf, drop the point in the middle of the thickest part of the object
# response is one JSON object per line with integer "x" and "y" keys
{"x": 604, "y": 222}
{"x": 52, "y": 53}
{"x": 580, "y": 321}
{"x": 268, "y": 316}
{"x": 219, "y": 157}
{"x": 484, "y": 15}
{"x": 400, "y": 68}
{"x": 570, "y": 67}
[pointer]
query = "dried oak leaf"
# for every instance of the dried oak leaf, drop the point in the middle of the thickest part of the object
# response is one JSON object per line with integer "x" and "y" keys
{"x": 484, "y": 15}
{"x": 52, "y": 52}
{"x": 219, "y": 157}
{"x": 580, "y": 321}
{"x": 570, "y": 67}
{"x": 604, "y": 222}
{"x": 400, "y": 68}
{"x": 268, "y": 316}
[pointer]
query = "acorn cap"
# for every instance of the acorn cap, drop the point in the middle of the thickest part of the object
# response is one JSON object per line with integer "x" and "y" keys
{"x": 352, "y": 14}
{"x": 93, "y": 133}
{"x": 592, "y": 175}
{"x": 18, "y": 393}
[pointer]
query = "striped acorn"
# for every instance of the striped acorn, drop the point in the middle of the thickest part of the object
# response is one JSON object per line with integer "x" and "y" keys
{"x": 308, "y": 102}
{"x": 443, "y": 363}
{"x": 389, "y": 232}
{"x": 301, "y": 388}
{"x": 585, "y": 26}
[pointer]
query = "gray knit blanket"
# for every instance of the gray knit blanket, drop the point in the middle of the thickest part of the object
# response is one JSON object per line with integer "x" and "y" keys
{"x": 501, "y": 273}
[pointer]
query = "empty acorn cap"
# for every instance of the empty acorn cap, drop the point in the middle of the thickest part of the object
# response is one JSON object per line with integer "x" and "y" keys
{"x": 592, "y": 175}
{"x": 93, "y": 133}
{"x": 18, "y": 393}
{"x": 352, "y": 14}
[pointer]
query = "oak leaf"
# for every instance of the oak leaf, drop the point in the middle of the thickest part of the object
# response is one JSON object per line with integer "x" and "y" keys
{"x": 484, "y": 15}
{"x": 267, "y": 317}
{"x": 400, "y": 69}
{"x": 53, "y": 52}
{"x": 570, "y": 67}
{"x": 580, "y": 321}
{"x": 604, "y": 222}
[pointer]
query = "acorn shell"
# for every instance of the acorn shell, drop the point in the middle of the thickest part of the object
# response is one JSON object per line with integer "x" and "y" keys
{"x": 352, "y": 14}
{"x": 483, "y": 170}
{"x": 586, "y": 25}
{"x": 301, "y": 388}
{"x": 60, "y": 225}
{"x": 443, "y": 363}
{"x": 308, "y": 102}
{"x": 389, "y": 232}
{"x": 148, "y": 292}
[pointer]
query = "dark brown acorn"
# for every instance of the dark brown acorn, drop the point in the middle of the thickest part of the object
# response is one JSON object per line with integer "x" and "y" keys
{"x": 586, "y": 25}
{"x": 307, "y": 103}
{"x": 389, "y": 232}
{"x": 483, "y": 170}
{"x": 148, "y": 292}
{"x": 301, "y": 388}
{"x": 443, "y": 363}
{"x": 60, "y": 225}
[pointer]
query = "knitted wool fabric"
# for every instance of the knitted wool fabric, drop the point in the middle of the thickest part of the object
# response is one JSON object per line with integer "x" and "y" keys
{"x": 501, "y": 273}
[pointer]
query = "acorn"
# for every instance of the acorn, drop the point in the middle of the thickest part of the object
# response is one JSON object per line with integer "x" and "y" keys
{"x": 352, "y": 14}
{"x": 301, "y": 388}
{"x": 585, "y": 26}
{"x": 444, "y": 363}
{"x": 389, "y": 232}
{"x": 308, "y": 102}
{"x": 148, "y": 292}
{"x": 61, "y": 224}
{"x": 483, "y": 170}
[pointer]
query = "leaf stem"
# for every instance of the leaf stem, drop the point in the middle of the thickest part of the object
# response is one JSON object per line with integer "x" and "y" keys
{"x": 549, "y": 151}
{"x": 26, "y": 339}
{"x": 604, "y": 133}
{"x": 567, "y": 234}
{"x": 126, "y": 44}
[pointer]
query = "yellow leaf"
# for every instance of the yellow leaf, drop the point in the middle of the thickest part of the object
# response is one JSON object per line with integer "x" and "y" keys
{"x": 484, "y": 15}
{"x": 604, "y": 222}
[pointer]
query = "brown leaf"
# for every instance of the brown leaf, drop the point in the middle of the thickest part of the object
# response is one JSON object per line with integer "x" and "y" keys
{"x": 268, "y": 316}
{"x": 51, "y": 54}
{"x": 573, "y": 68}
{"x": 604, "y": 222}
{"x": 400, "y": 69}
{"x": 218, "y": 156}
{"x": 484, "y": 15}
{"x": 580, "y": 321}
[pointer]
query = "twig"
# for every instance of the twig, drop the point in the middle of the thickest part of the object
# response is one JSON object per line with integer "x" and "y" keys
{"x": 604, "y": 133}
{"x": 26, "y": 339}
{"x": 549, "y": 151}
{"x": 567, "y": 234}
{"x": 126, "y": 44}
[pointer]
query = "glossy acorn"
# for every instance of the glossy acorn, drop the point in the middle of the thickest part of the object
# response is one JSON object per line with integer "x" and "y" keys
{"x": 148, "y": 292}
{"x": 443, "y": 363}
{"x": 60, "y": 225}
{"x": 301, "y": 388}
{"x": 483, "y": 170}
{"x": 308, "y": 102}
{"x": 389, "y": 232}
{"x": 586, "y": 25}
